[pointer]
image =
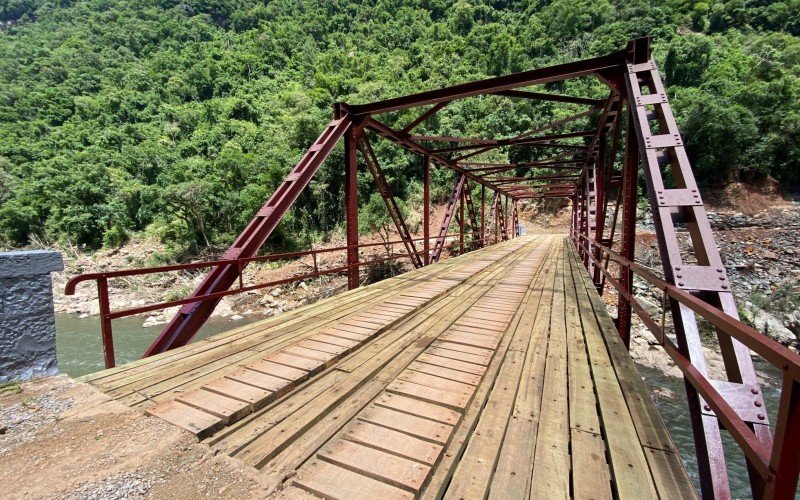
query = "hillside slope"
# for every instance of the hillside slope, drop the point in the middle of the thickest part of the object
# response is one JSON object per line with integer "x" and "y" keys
{"x": 180, "y": 118}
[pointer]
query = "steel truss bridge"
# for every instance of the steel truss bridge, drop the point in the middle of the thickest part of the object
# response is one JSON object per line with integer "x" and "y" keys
{"x": 513, "y": 294}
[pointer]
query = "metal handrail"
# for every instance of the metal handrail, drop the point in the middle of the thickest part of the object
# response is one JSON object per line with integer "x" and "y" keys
{"x": 107, "y": 315}
{"x": 765, "y": 460}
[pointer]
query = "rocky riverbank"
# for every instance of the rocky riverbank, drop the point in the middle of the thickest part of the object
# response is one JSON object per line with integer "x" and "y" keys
{"x": 760, "y": 245}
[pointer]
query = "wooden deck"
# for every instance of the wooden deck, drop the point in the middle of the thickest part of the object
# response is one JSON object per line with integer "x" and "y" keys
{"x": 495, "y": 373}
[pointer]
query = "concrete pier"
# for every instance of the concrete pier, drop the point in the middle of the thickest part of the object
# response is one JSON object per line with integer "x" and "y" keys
{"x": 27, "y": 319}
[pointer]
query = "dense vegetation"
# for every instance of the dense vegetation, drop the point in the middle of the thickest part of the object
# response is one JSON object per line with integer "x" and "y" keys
{"x": 179, "y": 118}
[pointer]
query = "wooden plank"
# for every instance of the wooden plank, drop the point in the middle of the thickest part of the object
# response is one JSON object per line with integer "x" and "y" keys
{"x": 254, "y": 396}
{"x": 467, "y": 339}
{"x": 224, "y": 349}
{"x": 289, "y": 457}
{"x": 474, "y": 472}
{"x": 193, "y": 420}
{"x": 412, "y": 425}
{"x": 220, "y": 406}
{"x": 452, "y": 364}
{"x": 631, "y": 471}
{"x": 459, "y": 356}
{"x": 406, "y": 346}
{"x": 669, "y": 474}
{"x": 514, "y": 469}
{"x": 460, "y": 347}
{"x": 430, "y": 411}
{"x": 303, "y": 352}
{"x": 649, "y": 424}
{"x": 446, "y": 373}
{"x": 436, "y": 382}
{"x": 476, "y": 331}
{"x": 385, "y": 467}
{"x": 171, "y": 377}
{"x": 292, "y": 361}
{"x": 355, "y": 329}
{"x": 582, "y": 402}
{"x": 394, "y": 442}
{"x": 337, "y": 341}
{"x": 590, "y": 474}
{"x": 242, "y": 433}
{"x": 330, "y": 481}
{"x": 356, "y": 337}
{"x": 551, "y": 468}
{"x": 322, "y": 347}
{"x": 260, "y": 380}
{"x": 276, "y": 370}
{"x": 292, "y": 492}
{"x": 429, "y": 394}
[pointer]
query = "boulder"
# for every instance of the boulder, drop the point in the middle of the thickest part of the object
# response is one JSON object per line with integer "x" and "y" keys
{"x": 768, "y": 324}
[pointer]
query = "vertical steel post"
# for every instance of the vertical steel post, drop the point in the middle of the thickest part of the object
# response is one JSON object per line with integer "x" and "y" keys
{"x": 628, "y": 233}
{"x": 505, "y": 220}
{"x": 483, "y": 216}
{"x": 351, "y": 206}
{"x": 574, "y": 228}
{"x": 426, "y": 212}
{"x": 599, "y": 203}
{"x": 461, "y": 223}
{"x": 786, "y": 452}
{"x": 497, "y": 218}
{"x": 105, "y": 323}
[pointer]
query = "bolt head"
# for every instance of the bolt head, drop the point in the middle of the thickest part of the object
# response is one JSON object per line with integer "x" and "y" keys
{"x": 761, "y": 416}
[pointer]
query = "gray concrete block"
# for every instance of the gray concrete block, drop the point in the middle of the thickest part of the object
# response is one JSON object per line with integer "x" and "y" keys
{"x": 28, "y": 263}
{"x": 27, "y": 319}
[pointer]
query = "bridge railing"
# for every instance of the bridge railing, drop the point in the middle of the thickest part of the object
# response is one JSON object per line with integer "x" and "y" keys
{"x": 107, "y": 315}
{"x": 778, "y": 464}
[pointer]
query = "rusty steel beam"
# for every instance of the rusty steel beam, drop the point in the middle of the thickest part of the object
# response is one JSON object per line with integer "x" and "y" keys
{"x": 540, "y": 96}
{"x": 385, "y": 191}
{"x": 535, "y": 164}
{"x": 548, "y": 126}
{"x": 404, "y": 141}
{"x": 351, "y": 206}
{"x": 455, "y": 196}
{"x": 443, "y": 138}
{"x": 473, "y": 218}
{"x": 424, "y": 116}
{"x": 188, "y": 320}
{"x": 426, "y": 209}
{"x": 461, "y": 220}
{"x": 498, "y": 84}
{"x": 483, "y": 216}
{"x": 535, "y": 144}
{"x": 536, "y": 178}
{"x": 478, "y": 142}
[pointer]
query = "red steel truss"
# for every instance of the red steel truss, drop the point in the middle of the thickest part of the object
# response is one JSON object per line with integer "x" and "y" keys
{"x": 577, "y": 161}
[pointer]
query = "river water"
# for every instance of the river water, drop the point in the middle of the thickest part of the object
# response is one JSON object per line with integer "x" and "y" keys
{"x": 80, "y": 352}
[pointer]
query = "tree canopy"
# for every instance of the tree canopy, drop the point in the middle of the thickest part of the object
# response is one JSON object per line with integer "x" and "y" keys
{"x": 180, "y": 117}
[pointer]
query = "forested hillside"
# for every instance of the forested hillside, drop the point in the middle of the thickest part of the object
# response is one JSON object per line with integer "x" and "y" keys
{"x": 179, "y": 118}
